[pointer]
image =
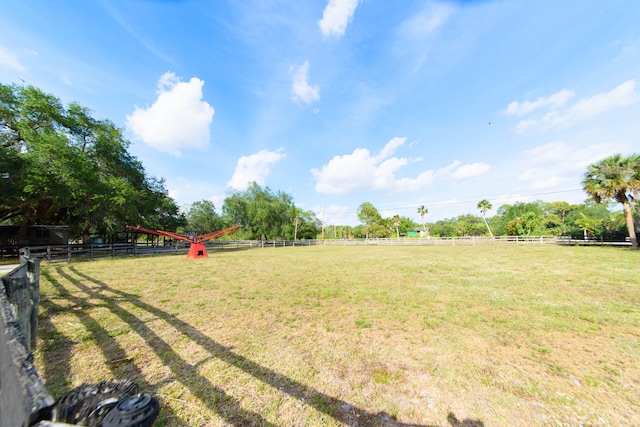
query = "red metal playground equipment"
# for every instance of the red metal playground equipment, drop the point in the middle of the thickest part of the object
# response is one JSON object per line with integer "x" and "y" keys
{"x": 197, "y": 249}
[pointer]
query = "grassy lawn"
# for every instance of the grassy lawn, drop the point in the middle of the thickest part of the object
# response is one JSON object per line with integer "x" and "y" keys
{"x": 326, "y": 336}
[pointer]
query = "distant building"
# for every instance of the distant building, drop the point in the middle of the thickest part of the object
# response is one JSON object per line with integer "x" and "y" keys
{"x": 37, "y": 235}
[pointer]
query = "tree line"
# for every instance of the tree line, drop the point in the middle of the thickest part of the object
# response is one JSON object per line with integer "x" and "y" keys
{"x": 61, "y": 166}
{"x": 611, "y": 181}
{"x": 262, "y": 214}
{"x": 588, "y": 220}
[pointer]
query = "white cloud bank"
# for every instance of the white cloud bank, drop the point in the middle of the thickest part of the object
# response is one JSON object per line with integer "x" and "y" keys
{"x": 179, "y": 119}
{"x": 301, "y": 90}
{"x": 362, "y": 171}
{"x": 554, "y": 101}
{"x": 585, "y": 109}
{"x": 255, "y": 167}
{"x": 336, "y": 16}
{"x": 9, "y": 60}
{"x": 559, "y": 163}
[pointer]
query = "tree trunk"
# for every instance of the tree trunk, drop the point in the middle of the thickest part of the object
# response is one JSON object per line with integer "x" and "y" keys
{"x": 636, "y": 213}
{"x": 23, "y": 239}
{"x": 488, "y": 228}
{"x": 628, "y": 216}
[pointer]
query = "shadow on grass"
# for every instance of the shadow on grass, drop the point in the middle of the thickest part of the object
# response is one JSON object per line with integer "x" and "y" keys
{"x": 185, "y": 373}
{"x": 57, "y": 346}
{"x": 215, "y": 398}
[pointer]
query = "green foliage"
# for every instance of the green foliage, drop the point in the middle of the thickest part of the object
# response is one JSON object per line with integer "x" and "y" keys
{"x": 59, "y": 165}
{"x": 369, "y": 215}
{"x": 616, "y": 178}
{"x": 264, "y": 214}
{"x": 537, "y": 218}
{"x": 463, "y": 225}
{"x": 202, "y": 217}
{"x": 375, "y": 226}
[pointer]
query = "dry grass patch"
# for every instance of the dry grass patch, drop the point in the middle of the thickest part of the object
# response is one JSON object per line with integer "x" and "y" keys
{"x": 356, "y": 336}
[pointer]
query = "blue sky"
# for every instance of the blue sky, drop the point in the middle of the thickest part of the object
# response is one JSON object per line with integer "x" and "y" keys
{"x": 339, "y": 102}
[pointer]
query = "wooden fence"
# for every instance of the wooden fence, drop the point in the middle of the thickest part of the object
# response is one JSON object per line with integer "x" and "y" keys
{"x": 55, "y": 253}
{"x": 70, "y": 252}
{"x": 22, "y": 392}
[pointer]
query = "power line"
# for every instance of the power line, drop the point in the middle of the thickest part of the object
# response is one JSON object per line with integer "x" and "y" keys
{"x": 466, "y": 200}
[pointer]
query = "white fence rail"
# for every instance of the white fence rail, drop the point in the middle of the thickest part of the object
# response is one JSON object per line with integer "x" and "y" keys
{"x": 80, "y": 251}
{"x": 451, "y": 241}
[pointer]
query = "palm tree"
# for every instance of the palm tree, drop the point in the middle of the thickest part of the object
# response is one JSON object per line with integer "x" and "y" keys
{"x": 615, "y": 178}
{"x": 396, "y": 224}
{"x": 423, "y": 211}
{"x": 485, "y": 206}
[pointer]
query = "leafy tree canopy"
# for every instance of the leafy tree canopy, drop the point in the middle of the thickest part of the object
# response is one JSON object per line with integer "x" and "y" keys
{"x": 202, "y": 217}
{"x": 616, "y": 178}
{"x": 264, "y": 214}
{"x": 60, "y": 165}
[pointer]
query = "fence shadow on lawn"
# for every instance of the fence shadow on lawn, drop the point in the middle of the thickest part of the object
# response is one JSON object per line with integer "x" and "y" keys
{"x": 213, "y": 397}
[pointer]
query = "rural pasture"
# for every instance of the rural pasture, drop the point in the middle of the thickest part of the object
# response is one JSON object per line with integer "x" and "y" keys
{"x": 328, "y": 336}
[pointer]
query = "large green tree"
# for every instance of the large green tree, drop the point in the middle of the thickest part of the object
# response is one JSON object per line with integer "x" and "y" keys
{"x": 60, "y": 165}
{"x": 615, "y": 178}
{"x": 264, "y": 214}
{"x": 368, "y": 215}
{"x": 202, "y": 217}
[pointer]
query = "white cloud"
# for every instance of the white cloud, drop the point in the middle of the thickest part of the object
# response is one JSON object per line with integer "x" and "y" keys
{"x": 255, "y": 167}
{"x": 416, "y": 36}
{"x": 470, "y": 171}
{"x": 336, "y": 16}
{"x": 179, "y": 119}
{"x": 585, "y": 109}
{"x": 556, "y": 100}
{"x": 66, "y": 80}
{"x": 362, "y": 171}
{"x": 558, "y": 163}
{"x": 300, "y": 87}
{"x": 9, "y": 60}
{"x": 423, "y": 25}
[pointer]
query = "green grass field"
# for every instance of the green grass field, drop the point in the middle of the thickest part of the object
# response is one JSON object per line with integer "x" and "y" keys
{"x": 326, "y": 336}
